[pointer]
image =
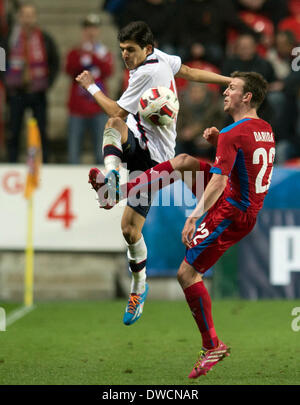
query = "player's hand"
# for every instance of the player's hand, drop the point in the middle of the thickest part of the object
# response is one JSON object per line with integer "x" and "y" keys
{"x": 85, "y": 79}
{"x": 188, "y": 231}
{"x": 211, "y": 135}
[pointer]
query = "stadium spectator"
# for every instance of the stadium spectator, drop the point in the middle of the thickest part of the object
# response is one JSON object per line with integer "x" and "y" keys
{"x": 276, "y": 10}
{"x": 115, "y": 8}
{"x": 3, "y": 19}
{"x": 294, "y": 7}
{"x": 33, "y": 64}
{"x": 206, "y": 23}
{"x": 282, "y": 101}
{"x": 196, "y": 60}
{"x": 200, "y": 107}
{"x": 291, "y": 23}
{"x": 261, "y": 24}
{"x": 288, "y": 119}
{"x": 84, "y": 113}
{"x": 246, "y": 59}
{"x": 137, "y": 142}
{"x": 280, "y": 55}
{"x": 158, "y": 14}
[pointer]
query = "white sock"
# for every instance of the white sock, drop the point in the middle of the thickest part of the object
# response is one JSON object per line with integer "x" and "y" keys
{"x": 137, "y": 256}
{"x": 138, "y": 282}
{"x": 112, "y": 162}
{"x": 112, "y": 138}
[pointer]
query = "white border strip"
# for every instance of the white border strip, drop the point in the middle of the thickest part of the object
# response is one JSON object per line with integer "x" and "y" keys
{"x": 18, "y": 314}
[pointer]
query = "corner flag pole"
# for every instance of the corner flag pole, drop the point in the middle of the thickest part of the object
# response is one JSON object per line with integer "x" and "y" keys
{"x": 34, "y": 161}
{"x": 29, "y": 257}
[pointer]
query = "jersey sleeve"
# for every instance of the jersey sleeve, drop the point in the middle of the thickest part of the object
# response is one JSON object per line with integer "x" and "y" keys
{"x": 175, "y": 63}
{"x": 227, "y": 149}
{"x": 137, "y": 85}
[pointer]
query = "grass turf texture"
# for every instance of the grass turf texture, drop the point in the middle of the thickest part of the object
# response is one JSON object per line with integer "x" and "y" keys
{"x": 86, "y": 343}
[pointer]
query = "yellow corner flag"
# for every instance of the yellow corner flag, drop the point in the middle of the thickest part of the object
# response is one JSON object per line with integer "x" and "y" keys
{"x": 34, "y": 161}
{"x": 34, "y": 157}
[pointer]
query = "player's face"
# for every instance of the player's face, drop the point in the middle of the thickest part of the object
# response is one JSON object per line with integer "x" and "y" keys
{"x": 234, "y": 95}
{"x": 133, "y": 55}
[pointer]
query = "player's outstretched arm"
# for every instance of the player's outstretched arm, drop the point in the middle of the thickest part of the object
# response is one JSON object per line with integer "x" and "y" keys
{"x": 203, "y": 76}
{"x": 212, "y": 192}
{"x": 211, "y": 135}
{"x": 109, "y": 106}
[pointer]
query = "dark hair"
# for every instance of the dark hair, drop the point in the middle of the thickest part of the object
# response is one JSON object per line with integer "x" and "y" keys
{"x": 289, "y": 35}
{"x": 249, "y": 35}
{"x": 137, "y": 31}
{"x": 253, "y": 83}
{"x": 26, "y": 4}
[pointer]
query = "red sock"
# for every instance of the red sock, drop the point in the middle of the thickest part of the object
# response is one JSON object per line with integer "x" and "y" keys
{"x": 155, "y": 178}
{"x": 200, "y": 304}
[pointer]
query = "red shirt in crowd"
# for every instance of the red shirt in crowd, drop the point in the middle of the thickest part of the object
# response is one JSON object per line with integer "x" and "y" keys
{"x": 99, "y": 61}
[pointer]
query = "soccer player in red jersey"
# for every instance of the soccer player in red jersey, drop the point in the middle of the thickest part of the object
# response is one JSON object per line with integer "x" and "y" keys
{"x": 235, "y": 188}
{"x": 240, "y": 180}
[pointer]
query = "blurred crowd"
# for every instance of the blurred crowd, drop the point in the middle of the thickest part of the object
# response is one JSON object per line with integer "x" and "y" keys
{"x": 218, "y": 35}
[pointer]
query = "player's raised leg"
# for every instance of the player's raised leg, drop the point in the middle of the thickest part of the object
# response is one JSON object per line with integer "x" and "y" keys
{"x": 190, "y": 167}
{"x": 115, "y": 134}
{"x": 132, "y": 224}
{"x": 183, "y": 167}
{"x": 198, "y": 299}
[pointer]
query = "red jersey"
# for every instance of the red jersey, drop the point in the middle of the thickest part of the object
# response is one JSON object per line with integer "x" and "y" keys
{"x": 245, "y": 153}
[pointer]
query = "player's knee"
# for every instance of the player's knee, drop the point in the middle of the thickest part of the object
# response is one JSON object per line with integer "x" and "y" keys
{"x": 182, "y": 275}
{"x": 130, "y": 233}
{"x": 181, "y": 161}
{"x": 118, "y": 126}
{"x": 115, "y": 122}
{"x": 187, "y": 275}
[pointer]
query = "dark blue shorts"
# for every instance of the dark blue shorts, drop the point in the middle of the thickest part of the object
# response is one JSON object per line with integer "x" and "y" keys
{"x": 137, "y": 160}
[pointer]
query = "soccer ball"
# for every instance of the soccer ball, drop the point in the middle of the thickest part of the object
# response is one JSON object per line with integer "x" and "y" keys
{"x": 159, "y": 106}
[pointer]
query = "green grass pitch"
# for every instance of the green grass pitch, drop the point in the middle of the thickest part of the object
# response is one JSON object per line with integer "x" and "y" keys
{"x": 86, "y": 343}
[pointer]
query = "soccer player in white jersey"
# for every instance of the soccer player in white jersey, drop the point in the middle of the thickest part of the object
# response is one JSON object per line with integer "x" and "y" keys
{"x": 137, "y": 143}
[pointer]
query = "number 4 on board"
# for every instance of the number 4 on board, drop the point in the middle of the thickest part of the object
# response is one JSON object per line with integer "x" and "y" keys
{"x": 61, "y": 208}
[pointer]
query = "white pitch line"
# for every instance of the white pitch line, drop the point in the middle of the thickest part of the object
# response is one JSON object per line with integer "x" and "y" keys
{"x": 18, "y": 314}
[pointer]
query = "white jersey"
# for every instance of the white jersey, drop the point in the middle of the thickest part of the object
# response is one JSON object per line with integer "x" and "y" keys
{"x": 158, "y": 69}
